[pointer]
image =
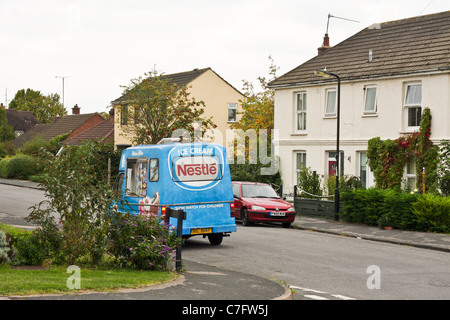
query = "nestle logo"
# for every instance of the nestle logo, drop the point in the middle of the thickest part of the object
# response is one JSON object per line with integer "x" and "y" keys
{"x": 197, "y": 169}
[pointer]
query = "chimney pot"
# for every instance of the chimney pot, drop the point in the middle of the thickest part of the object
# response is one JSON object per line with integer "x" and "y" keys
{"x": 325, "y": 46}
{"x": 75, "y": 109}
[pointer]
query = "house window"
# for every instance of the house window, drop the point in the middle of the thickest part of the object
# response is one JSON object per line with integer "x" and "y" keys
{"x": 413, "y": 105}
{"x": 300, "y": 162}
{"x": 232, "y": 112}
{"x": 411, "y": 178}
{"x": 137, "y": 115}
{"x": 301, "y": 111}
{"x": 124, "y": 115}
{"x": 330, "y": 109}
{"x": 370, "y": 101}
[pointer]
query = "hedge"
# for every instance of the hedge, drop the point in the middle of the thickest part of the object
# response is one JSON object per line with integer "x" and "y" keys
{"x": 18, "y": 167}
{"x": 396, "y": 209}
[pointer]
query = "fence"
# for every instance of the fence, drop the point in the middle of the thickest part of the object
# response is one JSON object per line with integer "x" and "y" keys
{"x": 314, "y": 207}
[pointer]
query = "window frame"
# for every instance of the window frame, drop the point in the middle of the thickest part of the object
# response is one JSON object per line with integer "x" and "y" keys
{"x": 303, "y": 111}
{"x": 232, "y": 106}
{"x": 299, "y": 164}
{"x": 409, "y": 106}
{"x": 374, "y": 110}
{"x": 329, "y": 114}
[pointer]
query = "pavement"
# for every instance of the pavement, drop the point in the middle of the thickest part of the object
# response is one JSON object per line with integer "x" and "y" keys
{"x": 204, "y": 282}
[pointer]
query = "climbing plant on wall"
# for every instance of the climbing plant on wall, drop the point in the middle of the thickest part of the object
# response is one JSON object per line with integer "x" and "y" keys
{"x": 388, "y": 158}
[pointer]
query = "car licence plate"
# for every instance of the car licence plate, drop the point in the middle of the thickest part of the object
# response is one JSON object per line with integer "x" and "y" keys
{"x": 201, "y": 230}
{"x": 277, "y": 214}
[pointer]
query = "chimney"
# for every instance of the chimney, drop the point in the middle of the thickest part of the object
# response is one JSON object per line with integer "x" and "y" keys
{"x": 75, "y": 109}
{"x": 325, "y": 46}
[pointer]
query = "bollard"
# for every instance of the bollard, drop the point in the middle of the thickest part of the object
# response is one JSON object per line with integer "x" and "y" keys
{"x": 180, "y": 215}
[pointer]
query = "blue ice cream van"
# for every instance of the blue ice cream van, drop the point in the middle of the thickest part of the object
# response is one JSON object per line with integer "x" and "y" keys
{"x": 193, "y": 177}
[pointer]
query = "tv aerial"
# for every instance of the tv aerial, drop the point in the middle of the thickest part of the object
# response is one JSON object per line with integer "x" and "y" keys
{"x": 331, "y": 16}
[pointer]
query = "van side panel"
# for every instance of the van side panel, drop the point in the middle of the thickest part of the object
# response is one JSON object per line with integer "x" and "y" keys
{"x": 191, "y": 177}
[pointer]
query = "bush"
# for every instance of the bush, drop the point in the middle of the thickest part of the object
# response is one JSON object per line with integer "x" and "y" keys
{"x": 6, "y": 251}
{"x": 309, "y": 182}
{"x": 142, "y": 242}
{"x": 21, "y": 167}
{"x": 4, "y": 165}
{"x": 433, "y": 211}
{"x": 363, "y": 206}
{"x": 397, "y": 209}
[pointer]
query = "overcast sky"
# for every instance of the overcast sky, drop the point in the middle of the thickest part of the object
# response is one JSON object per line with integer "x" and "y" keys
{"x": 99, "y": 45}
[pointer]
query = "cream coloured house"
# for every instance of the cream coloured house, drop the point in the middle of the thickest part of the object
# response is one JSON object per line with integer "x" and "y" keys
{"x": 222, "y": 103}
{"x": 389, "y": 73}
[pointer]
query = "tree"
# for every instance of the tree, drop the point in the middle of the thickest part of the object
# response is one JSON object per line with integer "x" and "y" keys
{"x": 43, "y": 107}
{"x": 257, "y": 114}
{"x": 160, "y": 108}
{"x": 6, "y": 131}
{"x": 258, "y": 107}
{"x": 78, "y": 208}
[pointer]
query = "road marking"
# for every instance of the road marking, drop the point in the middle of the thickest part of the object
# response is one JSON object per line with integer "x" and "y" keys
{"x": 316, "y": 297}
{"x": 309, "y": 290}
{"x": 312, "y": 296}
{"x": 342, "y": 297}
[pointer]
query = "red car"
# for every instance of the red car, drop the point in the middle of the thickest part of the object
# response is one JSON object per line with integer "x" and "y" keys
{"x": 258, "y": 202}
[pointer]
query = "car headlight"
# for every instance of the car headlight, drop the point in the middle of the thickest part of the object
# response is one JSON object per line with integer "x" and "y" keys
{"x": 291, "y": 209}
{"x": 259, "y": 208}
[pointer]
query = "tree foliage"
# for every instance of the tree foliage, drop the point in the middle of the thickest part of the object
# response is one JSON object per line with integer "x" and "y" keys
{"x": 159, "y": 108}
{"x": 78, "y": 203}
{"x": 258, "y": 106}
{"x": 43, "y": 107}
{"x": 388, "y": 158}
{"x": 6, "y": 131}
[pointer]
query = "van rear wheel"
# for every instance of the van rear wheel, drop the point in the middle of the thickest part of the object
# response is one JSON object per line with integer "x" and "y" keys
{"x": 215, "y": 239}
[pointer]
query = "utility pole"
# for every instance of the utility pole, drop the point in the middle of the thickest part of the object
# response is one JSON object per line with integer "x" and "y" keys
{"x": 62, "y": 77}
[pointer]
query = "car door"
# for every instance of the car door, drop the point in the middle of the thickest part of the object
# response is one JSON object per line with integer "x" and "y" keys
{"x": 237, "y": 200}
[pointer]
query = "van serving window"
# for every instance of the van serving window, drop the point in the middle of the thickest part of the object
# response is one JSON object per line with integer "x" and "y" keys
{"x": 137, "y": 177}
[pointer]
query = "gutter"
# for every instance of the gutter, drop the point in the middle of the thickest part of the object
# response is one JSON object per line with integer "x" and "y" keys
{"x": 364, "y": 78}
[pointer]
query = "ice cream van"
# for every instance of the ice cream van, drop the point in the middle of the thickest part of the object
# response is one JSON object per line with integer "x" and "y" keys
{"x": 193, "y": 177}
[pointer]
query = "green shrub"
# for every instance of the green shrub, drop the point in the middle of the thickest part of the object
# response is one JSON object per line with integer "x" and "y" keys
{"x": 21, "y": 167}
{"x": 5, "y": 248}
{"x": 433, "y": 211}
{"x": 397, "y": 211}
{"x": 4, "y": 165}
{"x": 309, "y": 181}
{"x": 363, "y": 206}
{"x": 142, "y": 242}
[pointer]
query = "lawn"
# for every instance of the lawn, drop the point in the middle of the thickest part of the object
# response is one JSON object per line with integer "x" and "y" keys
{"x": 27, "y": 280}
{"x": 53, "y": 280}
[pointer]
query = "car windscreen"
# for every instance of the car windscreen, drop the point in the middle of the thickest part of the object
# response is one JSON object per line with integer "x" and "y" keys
{"x": 258, "y": 191}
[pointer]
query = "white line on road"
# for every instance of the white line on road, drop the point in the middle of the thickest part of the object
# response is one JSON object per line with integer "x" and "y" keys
{"x": 316, "y": 297}
{"x": 312, "y": 296}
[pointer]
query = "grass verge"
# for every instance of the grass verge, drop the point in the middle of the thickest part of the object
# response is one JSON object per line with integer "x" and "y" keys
{"x": 53, "y": 280}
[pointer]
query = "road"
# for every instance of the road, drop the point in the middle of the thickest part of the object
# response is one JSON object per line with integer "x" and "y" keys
{"x": 315, "y": 265}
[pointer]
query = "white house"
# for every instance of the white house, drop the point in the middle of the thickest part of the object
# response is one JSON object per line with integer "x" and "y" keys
{"x": 389, "y": 72}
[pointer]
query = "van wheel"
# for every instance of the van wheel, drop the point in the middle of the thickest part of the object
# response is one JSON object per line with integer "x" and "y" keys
{"x": 244, "y": 217}
{"x": 215, "y": 239}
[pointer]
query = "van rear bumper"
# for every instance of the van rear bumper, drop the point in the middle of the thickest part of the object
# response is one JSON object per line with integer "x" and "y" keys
{"x": 188, "y": 231}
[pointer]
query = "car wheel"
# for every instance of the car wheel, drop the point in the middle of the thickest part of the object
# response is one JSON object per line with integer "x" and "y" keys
{"x": 244, "y": 217}
{"x": 215, "y": 239}
{"x": 286, "y": 224}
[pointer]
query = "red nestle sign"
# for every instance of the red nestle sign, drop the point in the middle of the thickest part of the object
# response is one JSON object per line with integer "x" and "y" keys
{"x": 197, "y": 169}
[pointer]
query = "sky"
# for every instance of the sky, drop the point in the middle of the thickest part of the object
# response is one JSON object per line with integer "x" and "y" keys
{"x": 95, "y": 47}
